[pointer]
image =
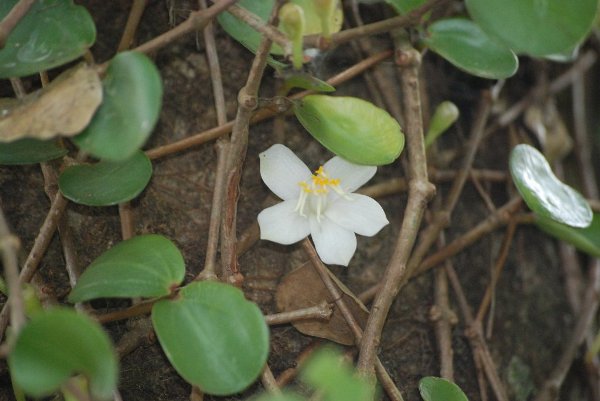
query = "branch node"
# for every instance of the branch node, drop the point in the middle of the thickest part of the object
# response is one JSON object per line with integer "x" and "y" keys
{"x": 248, "y": 102}
{"x": 407, "y": 58}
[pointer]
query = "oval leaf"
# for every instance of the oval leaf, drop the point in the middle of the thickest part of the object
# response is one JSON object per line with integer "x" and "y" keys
{"x": 535, "y": 27}
{"x": 131, "y": 106}
{"x": 295, "y": 79}
{"x": 464, "y": 44}
{"x": 438, "y": 389}
{"x": 585, "y": 239}
{"x": 30, "y": 151}
{"x": 352, "y": 128}
{"x": 213, "y": 336}
{"x": 52, "y": 33}
{"x": 144, "y": 266}
{"x": 106, "y": 183}
{"x": 543, "y": 192}
{"x": 58, "y": 343}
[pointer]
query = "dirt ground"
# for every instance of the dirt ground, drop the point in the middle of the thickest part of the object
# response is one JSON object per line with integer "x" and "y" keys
{"x": 530, "y": 314}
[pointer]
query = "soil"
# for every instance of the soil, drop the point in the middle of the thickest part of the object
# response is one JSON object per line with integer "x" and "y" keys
{"x": 531, "y": 317}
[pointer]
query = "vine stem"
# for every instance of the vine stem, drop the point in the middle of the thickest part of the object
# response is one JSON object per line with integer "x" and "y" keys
{"x": 420, "y": 192}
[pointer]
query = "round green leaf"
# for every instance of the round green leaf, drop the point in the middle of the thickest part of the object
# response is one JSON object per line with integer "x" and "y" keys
{"x": 30, "y": 151}
{"x": 585, "y": 239}
{"x": 52, "y": 33}
{"x": 438, "y": 389}
{"x": 213, "y": 336}
{"x": 131, "y": 106}
{"x": 351, "y": 128}
{"x": 464, "y": 44}
{"x": 543, "y": 192}
{"x": 106, "y": 183}
{"x": 535, "y": 27}
{"x": 143, "y": 266}
{"x": 57, "y": 344}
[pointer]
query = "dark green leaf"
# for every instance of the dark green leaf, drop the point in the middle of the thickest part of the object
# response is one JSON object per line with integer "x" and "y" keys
{"x": 30, "y": 151}
{"x": 543, "y": 192}
{"x": 143, "y": 266}
{"x": 352, "y": 128}
{"x": 131, "y": 106}
{"x": 58, "y": 343}
{"x": 106, "y": 183}
{"x": 305, "y": 81}
{"x": 213, "y": 336}
{"x": 52, "y": 33}
{"x": 464, "y": 44}
{"x": 535, "y": 27}
{"x": 405, "y": 6}
{"x": 585, "y": 239}
{"x": 438, "y": 389}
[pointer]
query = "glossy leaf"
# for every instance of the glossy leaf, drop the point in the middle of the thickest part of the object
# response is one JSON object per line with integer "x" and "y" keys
{"x": 30, "y": 151}
{"x": 106, "y": 183}
{"x": 213, "y": 336}
{"x": 132, "y": 100}
{"x": 438, "y": 389}
{"x": 327, "y": 372}
{"x": 464, "y": 44}
{"x": 57, "y": 344}
{"x": 535, "y": 27}
{"x": 143, "y": 266}
{"x": 352, "y": 128}
{"x": 585, "y": 239}
{"x": 543, "y": 192}
{"x": 52, "y": 33}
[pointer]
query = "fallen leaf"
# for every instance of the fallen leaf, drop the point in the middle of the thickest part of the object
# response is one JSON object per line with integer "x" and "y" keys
{"x": 303, "y": 288}
{"x": 65, "y": 107}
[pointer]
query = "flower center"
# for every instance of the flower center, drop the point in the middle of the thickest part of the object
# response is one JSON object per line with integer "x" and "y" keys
{"x": 314, "y": 192}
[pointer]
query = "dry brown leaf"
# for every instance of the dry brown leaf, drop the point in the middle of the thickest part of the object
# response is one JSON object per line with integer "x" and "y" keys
{"x": 303, "y": 288}
{"x": 65, "y": 107}
{"x": 547, "y": 124}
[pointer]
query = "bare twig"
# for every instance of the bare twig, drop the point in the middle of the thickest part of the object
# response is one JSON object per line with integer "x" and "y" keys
{"x": 259, "y": 25}
{"x": 13, "y": 17}
{"x": 133, "y": 20}
{"x": 322, "y": 311}
{"x": 420, "y": 191}
{"x": 268, "y": 380}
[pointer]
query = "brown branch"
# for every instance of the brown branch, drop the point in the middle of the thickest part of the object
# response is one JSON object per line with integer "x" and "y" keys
{"x": 10, "y": 21}
{"x": 401, "y": 21}
{"x": 133, "y": 20}
{"x": 260, "y": 26}
{"x": 420, "y": 191}
{"x": 261, "y": 115}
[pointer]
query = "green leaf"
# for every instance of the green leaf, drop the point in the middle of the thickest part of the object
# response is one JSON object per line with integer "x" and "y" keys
{"x": 352, "y": 128}
{"x": 58, "y": 343}
{"x": 143, "y": 266}
{"x": 327, "y": 372}
{"x": 438, "y": 389}
{"x": 295, "y": 79}
{"x": 405, "y": 6}
{"x": 132, "y": 100}
{"x": 213, "y": 336}
{"x": 444, "y": 116}
{"x": 52, "y": 33}
{"x": 464, "y": 44}
{"x": 585, "y": 239}
{"x": 30, "y": 151}
{"x": 106, "y": 183}
{"x": 535, "y": 27}
{"x": 545, "y": 194}
{"x": 278, "y": 397}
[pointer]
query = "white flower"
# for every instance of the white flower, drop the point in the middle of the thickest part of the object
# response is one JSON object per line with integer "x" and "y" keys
{"x": 320, "y": 204}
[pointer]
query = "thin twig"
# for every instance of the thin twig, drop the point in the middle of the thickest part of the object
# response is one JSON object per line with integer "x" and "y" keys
{"x": 322, "y": 311}
{"x": 263, "y": 114}
{"x": 260, "y": 26}
{"x": 268, "y": 380}
{"x": 13, "y": 17}
{"x": 133, "y": 20}
{"x": 420, "y": 191}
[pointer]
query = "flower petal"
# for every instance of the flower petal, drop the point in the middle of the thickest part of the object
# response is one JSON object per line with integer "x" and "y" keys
{"x": 281, "y": 224}
{"x": 359, "y": 213}
{"x": 352, "y": 176}
{"x": 335, "y": 244}
{"x": 282, "y": 170}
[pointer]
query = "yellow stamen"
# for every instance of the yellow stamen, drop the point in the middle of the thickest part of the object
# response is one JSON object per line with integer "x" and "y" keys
{"x": 318, "y": 186}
